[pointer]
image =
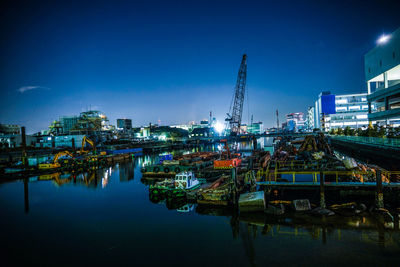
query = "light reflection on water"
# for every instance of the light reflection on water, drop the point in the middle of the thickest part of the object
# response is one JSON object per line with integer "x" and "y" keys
{"x": 105, "y": 217}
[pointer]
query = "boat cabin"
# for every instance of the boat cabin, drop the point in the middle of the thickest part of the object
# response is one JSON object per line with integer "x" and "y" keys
{"x": 186, "y": 180}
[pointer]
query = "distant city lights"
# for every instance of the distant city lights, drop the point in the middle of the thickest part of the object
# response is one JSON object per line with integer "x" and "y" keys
{"x": 383, "y": 39}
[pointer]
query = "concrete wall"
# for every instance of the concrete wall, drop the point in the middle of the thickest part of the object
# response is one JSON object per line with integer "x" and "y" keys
{"x": 380, "y": 58}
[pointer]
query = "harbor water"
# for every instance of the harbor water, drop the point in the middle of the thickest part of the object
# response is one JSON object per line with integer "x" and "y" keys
{"x": 105, "y": 217}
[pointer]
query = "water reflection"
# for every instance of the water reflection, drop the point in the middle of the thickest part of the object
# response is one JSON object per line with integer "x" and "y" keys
{"x": 248, "y": 238}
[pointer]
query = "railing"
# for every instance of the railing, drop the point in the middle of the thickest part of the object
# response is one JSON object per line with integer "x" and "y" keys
{"x": 271, "y": 177}
{"x": 376, "y": 141}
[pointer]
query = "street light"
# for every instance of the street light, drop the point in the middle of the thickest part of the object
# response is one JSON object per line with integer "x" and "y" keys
{"x": 383, "y": 39}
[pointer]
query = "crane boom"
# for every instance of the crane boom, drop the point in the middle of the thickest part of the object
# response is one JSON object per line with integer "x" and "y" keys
{"x": 235, "y": 117}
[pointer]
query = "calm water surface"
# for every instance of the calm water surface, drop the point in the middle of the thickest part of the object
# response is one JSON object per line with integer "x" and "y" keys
{"x": 106, "y": 218}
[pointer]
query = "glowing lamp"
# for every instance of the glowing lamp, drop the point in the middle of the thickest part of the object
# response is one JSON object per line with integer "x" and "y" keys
{"x": 219, "y": 127}
{"x": 383, "y": 39}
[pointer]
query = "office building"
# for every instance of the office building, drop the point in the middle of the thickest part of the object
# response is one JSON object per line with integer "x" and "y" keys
{"x": 340, "y": 111}
{"x": 294, "y": 122}
{"x": 382, "y": 75}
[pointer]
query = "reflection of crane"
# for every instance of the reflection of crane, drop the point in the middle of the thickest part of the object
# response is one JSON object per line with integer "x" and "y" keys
{"x": 85, "y": 140}
{"x": 235, "y": 115}
{"x": 55, "y": 163}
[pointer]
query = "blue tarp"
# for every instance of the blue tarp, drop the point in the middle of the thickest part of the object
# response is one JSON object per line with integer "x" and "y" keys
{"x": 165, "y": 157}
{"x": 126, "y": 151}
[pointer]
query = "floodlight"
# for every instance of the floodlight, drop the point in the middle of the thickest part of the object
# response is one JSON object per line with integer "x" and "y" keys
{"x": 383, "y": 39}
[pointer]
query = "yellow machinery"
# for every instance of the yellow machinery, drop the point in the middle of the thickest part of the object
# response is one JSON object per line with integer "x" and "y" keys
{"x": 85, "y": 140}
{"x": 55, "y": 164}
{"x": 56, "y": 177}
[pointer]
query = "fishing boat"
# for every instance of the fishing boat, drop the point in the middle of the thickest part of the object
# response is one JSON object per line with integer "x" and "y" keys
{"x": 184, "y": 182}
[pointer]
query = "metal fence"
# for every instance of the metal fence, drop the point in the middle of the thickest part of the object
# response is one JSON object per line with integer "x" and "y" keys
{"x": 375, "y": 141}
{"x": 354, "y": 177}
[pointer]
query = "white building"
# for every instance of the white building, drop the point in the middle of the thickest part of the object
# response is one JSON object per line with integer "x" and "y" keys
{"x": 382, "y": 74}
{"x": 310, "y": 119}
{"x": 340, "y": 111}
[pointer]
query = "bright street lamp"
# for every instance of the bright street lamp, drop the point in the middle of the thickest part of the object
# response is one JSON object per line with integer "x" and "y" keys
{"x": 383, "y": 39}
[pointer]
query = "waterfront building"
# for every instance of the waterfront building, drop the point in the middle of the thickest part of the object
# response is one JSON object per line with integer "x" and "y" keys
{"x": 68, "y": 123}
{"x": 255, "y": 128}
{"x": 294, "y": 122}
{"x": 9, "y": 129}
{"x": 124, "y": 124}
{"x": 382, "y": 75}
{"x": 94, "y": 124}
{"x": 15, "y": 140}
{"x": 340, "y": 111}
{"x": 202, "y": 132}
{"x": 193, "y": 125}
{"x": 310, "y": 119}
{"x": 59, "y": 141}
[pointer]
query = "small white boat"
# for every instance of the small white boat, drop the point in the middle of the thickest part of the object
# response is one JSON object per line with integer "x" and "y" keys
{"x": 186, "y": 181}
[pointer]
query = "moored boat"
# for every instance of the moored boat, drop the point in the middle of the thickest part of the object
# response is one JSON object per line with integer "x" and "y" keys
{"x": 184, "y": 182}
{"x": 218, "y": 193}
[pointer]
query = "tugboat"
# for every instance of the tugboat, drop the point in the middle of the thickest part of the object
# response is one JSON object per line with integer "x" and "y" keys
{"x": 184, "y": 182}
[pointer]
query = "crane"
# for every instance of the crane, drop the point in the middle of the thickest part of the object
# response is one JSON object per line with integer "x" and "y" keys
{"x": 235, "y": 116}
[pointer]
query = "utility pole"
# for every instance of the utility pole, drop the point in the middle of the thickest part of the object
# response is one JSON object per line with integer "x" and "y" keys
{"x": 277, "y": 120}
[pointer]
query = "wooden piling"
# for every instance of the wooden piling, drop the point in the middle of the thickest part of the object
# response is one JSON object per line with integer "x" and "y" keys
{"x": 73, "y": 145}
{"x": 233, "y": 177}
{"x": 23, "y": 144}
{"x": 379, "y": 190}
{"x": 322, "y": 190}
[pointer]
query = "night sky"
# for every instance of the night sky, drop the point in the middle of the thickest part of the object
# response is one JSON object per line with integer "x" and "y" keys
{"x": 176, "y": 61}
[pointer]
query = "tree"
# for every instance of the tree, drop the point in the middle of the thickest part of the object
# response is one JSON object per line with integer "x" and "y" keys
{"x": 347, "y": 130}
{"x": 381, "y": 131}
{"x": 339, "y": 131}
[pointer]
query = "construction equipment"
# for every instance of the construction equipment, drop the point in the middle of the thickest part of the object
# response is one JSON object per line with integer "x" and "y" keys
{"x": 85, "y": 140}
{"x": 228, "y": 160}
{"x": 55, "y": 164}
{"x": 235, "y": 116}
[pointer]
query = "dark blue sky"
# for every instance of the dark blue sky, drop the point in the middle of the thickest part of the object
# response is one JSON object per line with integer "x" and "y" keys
{"x": 176, "y": 61}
